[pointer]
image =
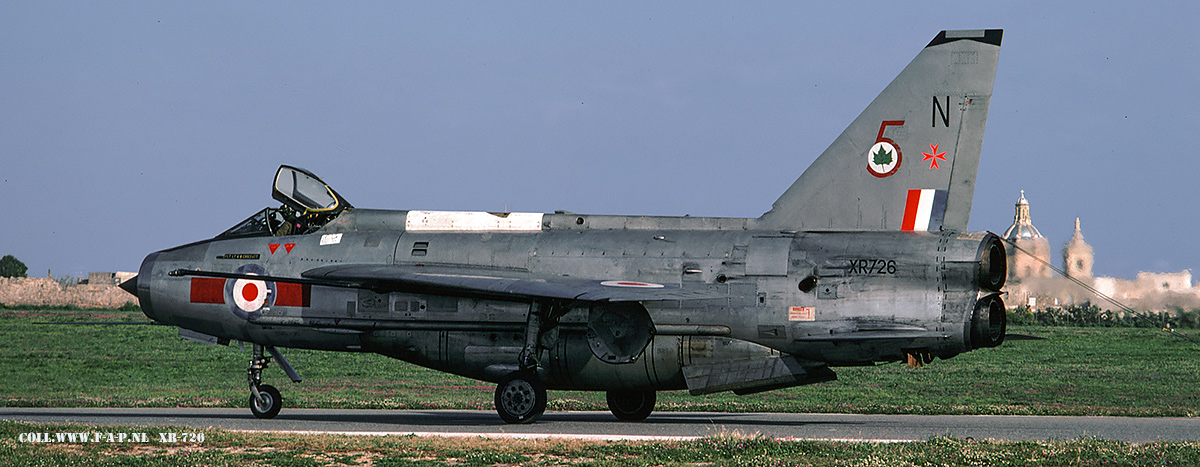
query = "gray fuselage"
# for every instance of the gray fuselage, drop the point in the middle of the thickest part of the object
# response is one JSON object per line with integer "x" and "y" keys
{"x": 824, "y": 298}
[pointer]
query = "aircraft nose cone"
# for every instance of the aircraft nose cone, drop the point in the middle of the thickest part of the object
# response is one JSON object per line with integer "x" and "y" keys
{"x": 130, "y": 285}
{"x": 139, "y": 285}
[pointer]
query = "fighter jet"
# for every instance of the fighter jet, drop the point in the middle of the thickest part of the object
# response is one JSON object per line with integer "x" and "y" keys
{"x": 864, "y": 259}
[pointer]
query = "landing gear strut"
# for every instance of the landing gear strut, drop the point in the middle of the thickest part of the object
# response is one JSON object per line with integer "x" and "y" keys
{"x": 265, "y": 400}
{"x": 521, "y": 396}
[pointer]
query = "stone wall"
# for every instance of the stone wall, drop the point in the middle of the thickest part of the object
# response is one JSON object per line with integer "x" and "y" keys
{"x": 42, "y": 291}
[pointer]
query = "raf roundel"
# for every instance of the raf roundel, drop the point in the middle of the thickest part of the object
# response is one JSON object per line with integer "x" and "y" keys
{"x": 249, "y": 296}
{"x": 883, "y": 159}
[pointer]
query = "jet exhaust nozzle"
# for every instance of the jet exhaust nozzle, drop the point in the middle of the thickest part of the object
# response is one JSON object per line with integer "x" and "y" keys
{"x": 989, "y": 322}
{"x": 993, "y": 264}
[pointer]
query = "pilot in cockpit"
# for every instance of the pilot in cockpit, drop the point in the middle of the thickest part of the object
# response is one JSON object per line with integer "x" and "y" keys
{"x": 308, "y": 204}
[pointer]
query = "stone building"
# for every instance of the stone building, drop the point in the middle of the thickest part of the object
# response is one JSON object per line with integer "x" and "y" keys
{"x": 1031, "y": 257}
{"x": 1034, "y": 283}
{"x": 1077, "y": 256}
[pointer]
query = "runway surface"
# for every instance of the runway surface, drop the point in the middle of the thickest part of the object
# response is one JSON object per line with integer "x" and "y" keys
{"x": 660, "y": 425}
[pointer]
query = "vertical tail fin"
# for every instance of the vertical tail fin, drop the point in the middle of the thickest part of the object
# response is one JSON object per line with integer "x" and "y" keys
{"x": 909, "y": 161}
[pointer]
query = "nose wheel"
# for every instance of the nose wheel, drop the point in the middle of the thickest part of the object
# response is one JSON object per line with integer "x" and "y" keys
{"x": 265, "y": 401}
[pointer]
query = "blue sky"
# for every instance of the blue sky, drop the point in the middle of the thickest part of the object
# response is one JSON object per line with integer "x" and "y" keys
{"x": 131, "y": 127}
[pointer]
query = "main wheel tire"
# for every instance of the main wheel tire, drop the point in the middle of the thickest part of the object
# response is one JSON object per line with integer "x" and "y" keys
{"x": 631, "y": 405}
{"x": 270, "y": 404}
{"x": 520, "y": 398}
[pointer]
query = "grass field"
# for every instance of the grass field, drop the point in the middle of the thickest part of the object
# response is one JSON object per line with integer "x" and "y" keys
{"x": 1074, "y": 371}
{"x": 223, "y": 448}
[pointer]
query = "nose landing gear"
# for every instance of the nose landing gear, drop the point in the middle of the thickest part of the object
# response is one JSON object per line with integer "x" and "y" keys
{"x": 265, "y": 400}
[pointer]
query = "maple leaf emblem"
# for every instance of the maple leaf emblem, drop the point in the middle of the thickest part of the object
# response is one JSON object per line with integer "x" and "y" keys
{"x": 933, "y": 158}
{"x": 882, "y": 157}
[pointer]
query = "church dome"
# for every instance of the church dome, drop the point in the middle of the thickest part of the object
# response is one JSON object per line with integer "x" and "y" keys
{"x": 1022, "y": 226}
{"x": 1019, "y": 231}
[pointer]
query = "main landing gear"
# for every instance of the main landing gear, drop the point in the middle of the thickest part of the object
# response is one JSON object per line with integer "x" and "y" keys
{"x": 265, "y": 400}
{"x": 631, "y": 406}
{"x": 521, "y": 396}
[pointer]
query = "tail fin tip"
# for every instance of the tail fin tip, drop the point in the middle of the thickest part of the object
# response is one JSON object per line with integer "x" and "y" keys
{"x": 986, "y": 36}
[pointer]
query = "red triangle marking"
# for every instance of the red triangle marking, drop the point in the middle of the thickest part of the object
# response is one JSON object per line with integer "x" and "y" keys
{"x": 289, "y": 246}
{"x": 273, "y": 246}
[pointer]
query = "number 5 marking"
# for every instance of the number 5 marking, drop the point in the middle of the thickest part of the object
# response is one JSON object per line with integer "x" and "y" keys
{"x": 883, "y": 146}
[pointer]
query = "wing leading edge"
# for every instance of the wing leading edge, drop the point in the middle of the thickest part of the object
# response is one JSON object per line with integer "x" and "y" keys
{"x": 456, "y": 281}
{"x": 475, "y": 283}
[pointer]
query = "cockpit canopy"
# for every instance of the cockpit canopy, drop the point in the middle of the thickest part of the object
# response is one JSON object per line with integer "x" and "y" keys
{"x": 304, "y": 192}
{"x": 308, "y": 204}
